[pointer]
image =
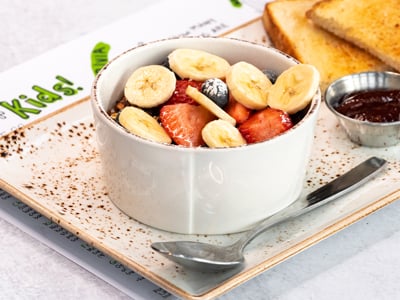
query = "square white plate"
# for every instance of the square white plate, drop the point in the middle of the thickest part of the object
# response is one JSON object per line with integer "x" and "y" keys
{"x": 53, "y": 166}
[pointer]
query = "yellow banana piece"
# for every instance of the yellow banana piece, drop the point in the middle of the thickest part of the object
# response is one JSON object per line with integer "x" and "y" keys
{"x": 150, "y": 86}
{"x": 294, "y": 88}
{"x": 248, "y": 85}
{"x": 210, "y": 105}
{"x": 140, "y": 123}
{"x": 197, "y": 65}
{"x": 222, "y": 134}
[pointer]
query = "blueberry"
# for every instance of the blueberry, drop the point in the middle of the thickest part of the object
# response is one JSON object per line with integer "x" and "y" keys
{"x": 216, "y": 90}
{"x": 165, "y": 63}
{"x": 272, "y": 75}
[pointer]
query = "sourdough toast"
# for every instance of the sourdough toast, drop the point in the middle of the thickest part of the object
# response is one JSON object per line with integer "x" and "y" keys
{"x": 373, "y": 25}
{"x": 292, "y": 32}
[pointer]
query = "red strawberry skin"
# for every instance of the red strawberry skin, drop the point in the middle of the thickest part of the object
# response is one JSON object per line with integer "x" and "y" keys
{"x": 237, "y": 111}
{"x": 184, "y": 122}
{"x": 179, "y": 95}
{"x": 265, "y": 124}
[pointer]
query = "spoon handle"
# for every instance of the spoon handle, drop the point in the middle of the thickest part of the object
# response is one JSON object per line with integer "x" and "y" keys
{"x": 334, "y": 189}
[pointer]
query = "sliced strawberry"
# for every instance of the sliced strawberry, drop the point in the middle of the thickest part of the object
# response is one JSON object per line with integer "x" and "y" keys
{"x": 179, "y": 95}
{"x": 184, "y": 122}
{"x": 265, "y": 124}
{"x": 237, "y": 110}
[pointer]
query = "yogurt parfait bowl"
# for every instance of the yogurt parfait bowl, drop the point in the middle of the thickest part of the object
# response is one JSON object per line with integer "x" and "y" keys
{"x": 233, "y": 173}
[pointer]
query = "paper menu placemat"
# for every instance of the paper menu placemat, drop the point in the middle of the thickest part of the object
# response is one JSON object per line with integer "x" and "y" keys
{"x": 78, "y": 251}
{"x": 64, "y": 75}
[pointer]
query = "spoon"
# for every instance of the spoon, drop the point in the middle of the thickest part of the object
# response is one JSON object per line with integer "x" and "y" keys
{"x": 208, "y": 257}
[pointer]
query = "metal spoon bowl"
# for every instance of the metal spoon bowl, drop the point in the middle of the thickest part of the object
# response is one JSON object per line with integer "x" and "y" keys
{"x": 207, "y": 257}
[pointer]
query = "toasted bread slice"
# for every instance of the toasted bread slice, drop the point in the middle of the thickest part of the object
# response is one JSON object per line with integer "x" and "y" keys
{"x": 291, "y": 31}
{"x": 373, "y": 25}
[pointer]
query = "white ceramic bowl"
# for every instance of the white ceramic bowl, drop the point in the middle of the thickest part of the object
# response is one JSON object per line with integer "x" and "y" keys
{"x": 199, "y": 190}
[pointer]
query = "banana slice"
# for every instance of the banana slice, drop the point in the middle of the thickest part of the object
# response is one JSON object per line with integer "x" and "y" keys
{"x": 294, "y": 88}
{"x": 210, "y": 105}
{"x": 140, "y": 123}
{"x": 197, "y": 64}
{"x": 248, "y": 85}
{"x": 222, "y": 134}
{"x": 150, "y": 86}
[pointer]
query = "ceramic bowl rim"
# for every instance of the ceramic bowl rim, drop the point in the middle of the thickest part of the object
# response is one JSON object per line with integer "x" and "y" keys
{"x": 311, "y": 110}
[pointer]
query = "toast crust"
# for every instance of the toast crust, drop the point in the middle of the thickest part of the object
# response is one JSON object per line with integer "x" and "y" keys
{"x": 278, "y": 37}
{"x": 292, "y": 32}
{"x": 373, "y": 25}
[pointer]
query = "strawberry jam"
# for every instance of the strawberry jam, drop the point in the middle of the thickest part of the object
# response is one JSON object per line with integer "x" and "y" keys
{"x": 373, "y": 106}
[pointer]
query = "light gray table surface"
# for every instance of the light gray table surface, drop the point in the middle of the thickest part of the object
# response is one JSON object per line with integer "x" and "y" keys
{"x": 360, "y": 262}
